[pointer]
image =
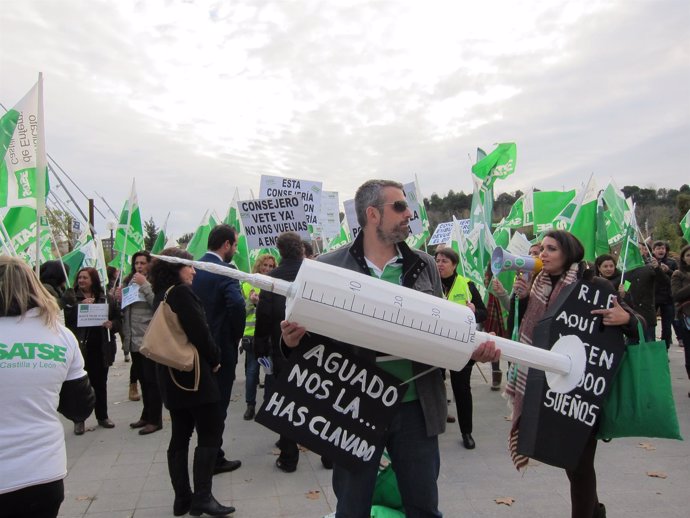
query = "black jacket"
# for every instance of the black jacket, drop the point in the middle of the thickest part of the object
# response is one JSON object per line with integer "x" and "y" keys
{"x": 95, "y": 339}
{"x": 662, "y": 294}
{"x": 187, "y": 306}
{"x": 270, "y": 311}
{"x": 641, "y": 294}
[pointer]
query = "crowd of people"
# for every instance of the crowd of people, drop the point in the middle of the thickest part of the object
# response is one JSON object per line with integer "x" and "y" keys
{"x": 223, "y": 318}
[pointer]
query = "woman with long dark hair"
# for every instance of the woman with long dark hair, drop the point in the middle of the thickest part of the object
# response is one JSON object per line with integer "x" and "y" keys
{"x": 97, "y": 343}
{"x": 561, "y": 256}
{"x": 190, "y": 410}
{"x": 680, "y": 290}
{"x": 135, "y": 319}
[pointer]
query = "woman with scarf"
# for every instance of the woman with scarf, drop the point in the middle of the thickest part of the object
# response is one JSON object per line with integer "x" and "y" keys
{"x": 561, "y": 255}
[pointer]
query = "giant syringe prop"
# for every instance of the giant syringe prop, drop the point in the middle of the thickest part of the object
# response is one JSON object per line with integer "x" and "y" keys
{"x": 362, "y": 310}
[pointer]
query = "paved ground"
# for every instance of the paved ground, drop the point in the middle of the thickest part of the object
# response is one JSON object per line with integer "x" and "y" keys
{"x": 117, "y": 473}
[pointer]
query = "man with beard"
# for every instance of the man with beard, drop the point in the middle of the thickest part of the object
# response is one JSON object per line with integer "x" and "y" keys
{"x": 412, "y": 439}
{"x": 224, "y": 306}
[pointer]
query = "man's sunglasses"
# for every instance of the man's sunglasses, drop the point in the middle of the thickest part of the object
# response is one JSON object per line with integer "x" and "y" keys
{"x": 399, "y": 206}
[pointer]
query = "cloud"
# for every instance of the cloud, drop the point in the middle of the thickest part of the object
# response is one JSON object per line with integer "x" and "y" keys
{"x": 197, "y": 98}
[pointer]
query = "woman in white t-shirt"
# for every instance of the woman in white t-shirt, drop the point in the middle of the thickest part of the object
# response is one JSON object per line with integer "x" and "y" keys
{"x": 41, "y": 373}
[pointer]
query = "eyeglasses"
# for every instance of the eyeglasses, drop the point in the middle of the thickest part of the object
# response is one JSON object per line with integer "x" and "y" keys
{"x": 399, "y": 206}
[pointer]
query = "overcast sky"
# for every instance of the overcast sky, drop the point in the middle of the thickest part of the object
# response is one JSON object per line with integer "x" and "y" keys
{"x": 195, "y": 98}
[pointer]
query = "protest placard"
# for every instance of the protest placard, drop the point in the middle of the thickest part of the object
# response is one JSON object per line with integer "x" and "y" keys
{"x": 131, "y": 294}
{"x": 555, "y": 427}
{"x": 306, "y": 190}
{"x": 334, "y": 403}
{"x": 265, "y": 219}
{"x": 416, "y": 224}
{"x": 351, "y": 217}
{"x": 92, "y": 315}
{"x": 442, "y": 234}
{"x": 329, "y": 219}
{"x": 519, "y": 244}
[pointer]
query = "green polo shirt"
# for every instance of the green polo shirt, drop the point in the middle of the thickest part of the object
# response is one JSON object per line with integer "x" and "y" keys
{"x": 402, "y": 368}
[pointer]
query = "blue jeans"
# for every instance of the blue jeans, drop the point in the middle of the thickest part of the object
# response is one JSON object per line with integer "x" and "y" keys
{"x": 667, "y": 314}
{"x": 251, "y": 371}
{"x": 416, "y": 461}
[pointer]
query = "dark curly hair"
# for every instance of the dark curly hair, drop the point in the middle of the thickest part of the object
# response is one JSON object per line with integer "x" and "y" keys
{"x": 289, "y": 244}
{"x": 140, "y": 253}
{"x": 163, "y": 274}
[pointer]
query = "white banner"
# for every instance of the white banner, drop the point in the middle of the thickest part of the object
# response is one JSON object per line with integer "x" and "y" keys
{"x": 519, "y": 244}
{"x": 442, "y": 234}
{"x": 265, "y": 219}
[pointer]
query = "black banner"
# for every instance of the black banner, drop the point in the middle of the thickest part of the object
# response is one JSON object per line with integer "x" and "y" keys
{"x": 554, "y": 427}
{"x": 334, "y": 403}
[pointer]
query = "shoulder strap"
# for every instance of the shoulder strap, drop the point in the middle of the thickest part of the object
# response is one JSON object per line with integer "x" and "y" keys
{"x": 165, "y": 297}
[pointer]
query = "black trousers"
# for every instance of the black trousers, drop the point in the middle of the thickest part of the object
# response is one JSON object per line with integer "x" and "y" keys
{"x": 40, "y": 501}
{"x": 460, "y": 381}
{"x": 583, "y": 482}
{"x": 152, "y": 412}
{"x": 207, "y": 421}
{"x": 135, "y": 369}
{"x": 98, "y": 377}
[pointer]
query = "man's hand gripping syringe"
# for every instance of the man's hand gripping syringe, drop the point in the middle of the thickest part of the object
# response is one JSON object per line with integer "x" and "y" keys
{"x": 357, "y": 309}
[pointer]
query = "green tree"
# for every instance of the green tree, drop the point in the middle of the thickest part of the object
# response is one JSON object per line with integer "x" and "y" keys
{"x": 150, "y": 233}
{"x": 184, "y": 239}
{"x": 61, "y": 223}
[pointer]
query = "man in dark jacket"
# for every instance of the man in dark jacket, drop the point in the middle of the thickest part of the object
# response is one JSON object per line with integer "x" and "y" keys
{"x": 225, "y": 311}
{"x": 412, "y": 438}
{"x": 270, "y": 311}
{"x": 662, "y": 293}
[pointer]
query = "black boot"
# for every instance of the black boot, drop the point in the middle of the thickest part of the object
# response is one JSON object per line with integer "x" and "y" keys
{"x": 600, "y": 511}
{"x": 179, "y": 476}
{"x": 202, "y": 499}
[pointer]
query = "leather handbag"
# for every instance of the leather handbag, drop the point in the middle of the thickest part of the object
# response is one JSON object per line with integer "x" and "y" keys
{"x": 165, "y": 342}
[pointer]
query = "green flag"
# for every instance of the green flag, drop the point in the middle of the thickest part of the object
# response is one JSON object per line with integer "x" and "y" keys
{"x": 602, "y": 240}
{"x": 242, "y": 258}
{"x": 129, "y": 236}
{"x": 579, "y": 218}
{"x": 685, "y": 226}
{"x": 198, "y": 245}
{"x": 161, "y": 238}
{"x": 498, "y": 164}
{"x": 341, "y": 239}
{"x": 616, "y": 203}
{"x": 548, "y": 205}
{"x": 630, "y": 257}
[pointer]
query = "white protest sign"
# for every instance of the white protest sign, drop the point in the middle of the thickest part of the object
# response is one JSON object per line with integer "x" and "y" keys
{"x": 329, "y": 219}
{"x": 416, "y": 225}
{"x": 130, "y": 295}
{"x": 92, "y": 315}
{"x": 519, "y": 244}
{"x": 442, "y": 234}
{"x": 351, "y": 217}
{"x": 308, "y": 191}
{"x": 265, "y": 219}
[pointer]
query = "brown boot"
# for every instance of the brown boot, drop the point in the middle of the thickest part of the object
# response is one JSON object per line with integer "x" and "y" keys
{"x": 133, "y": 394}
{"x": 496, "y": 377}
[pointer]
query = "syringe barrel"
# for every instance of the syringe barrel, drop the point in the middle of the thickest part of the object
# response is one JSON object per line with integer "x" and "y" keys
{"x": 361, "y": 310}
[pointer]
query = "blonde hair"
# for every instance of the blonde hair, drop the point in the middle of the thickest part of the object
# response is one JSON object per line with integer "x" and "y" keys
{"x": 259, "y": 261}
{"x": 20, "y": 291}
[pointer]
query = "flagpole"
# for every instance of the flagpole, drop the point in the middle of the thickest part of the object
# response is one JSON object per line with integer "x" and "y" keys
{"x": 40, "y": 171}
